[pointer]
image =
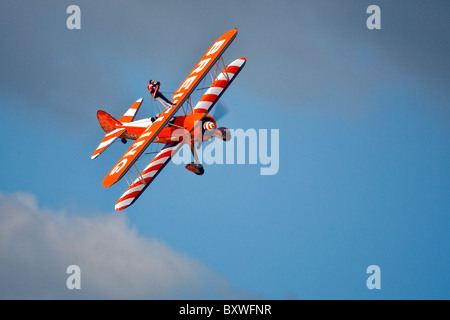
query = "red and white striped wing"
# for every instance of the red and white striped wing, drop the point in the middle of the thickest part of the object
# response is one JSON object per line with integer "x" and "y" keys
{"x": 219, "y": 85}
{"x": 147, "y": 175}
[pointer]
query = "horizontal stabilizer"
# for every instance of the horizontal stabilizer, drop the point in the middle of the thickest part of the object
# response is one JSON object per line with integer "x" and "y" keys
{"x": 107, "y": 140}
{"x": 131, "y": 113}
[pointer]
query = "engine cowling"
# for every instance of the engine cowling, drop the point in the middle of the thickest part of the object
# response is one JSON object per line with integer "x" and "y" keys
{"x": 209, "y": 125}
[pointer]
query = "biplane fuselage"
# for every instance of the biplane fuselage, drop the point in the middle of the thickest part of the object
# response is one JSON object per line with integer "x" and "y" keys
{"x": 186, "y": 129}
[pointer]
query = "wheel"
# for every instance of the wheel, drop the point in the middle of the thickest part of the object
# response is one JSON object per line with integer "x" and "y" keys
{"x": 196, "y": 168}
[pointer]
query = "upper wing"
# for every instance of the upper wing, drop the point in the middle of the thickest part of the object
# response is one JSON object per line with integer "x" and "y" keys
{"x": 133, "y": 153}
{"x": 148, "y": 175}
{"x": 179, "y": 97}
{"x": 203, "y": 66}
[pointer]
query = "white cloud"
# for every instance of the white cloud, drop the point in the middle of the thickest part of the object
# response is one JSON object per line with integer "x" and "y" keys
{"x": 37, "y": 245}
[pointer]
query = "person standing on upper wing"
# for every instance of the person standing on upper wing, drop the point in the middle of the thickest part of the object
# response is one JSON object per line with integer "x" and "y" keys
{"x": 154, "y": 90}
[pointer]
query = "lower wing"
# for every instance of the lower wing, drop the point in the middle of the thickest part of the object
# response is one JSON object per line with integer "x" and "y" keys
{"x": 147, "y": 175}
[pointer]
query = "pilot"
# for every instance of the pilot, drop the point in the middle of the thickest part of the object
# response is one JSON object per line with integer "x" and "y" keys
{"x": 154, "y": 90}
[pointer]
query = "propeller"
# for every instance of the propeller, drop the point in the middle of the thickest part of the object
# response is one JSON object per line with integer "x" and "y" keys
{"x": 220, "y": 110}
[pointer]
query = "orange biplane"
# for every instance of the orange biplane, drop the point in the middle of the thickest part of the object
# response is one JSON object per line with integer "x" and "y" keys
{"x": 169, "y": 129}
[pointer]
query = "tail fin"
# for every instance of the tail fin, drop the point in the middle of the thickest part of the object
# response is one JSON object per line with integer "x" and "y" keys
{"x": 112, "y": 127}
{"x": 107, "y": 122}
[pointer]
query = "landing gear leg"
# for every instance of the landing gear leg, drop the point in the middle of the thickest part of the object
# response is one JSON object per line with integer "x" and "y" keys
{"x": 195, "y": 166}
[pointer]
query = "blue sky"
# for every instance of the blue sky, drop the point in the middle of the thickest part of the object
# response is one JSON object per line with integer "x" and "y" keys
{"x": 364, "y": 152}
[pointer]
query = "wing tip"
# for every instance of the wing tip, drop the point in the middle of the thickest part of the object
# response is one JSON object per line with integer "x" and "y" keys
{"x": 117, "y": 208}
{"x": 123, "y": 204}
{"x": 106, "y": 184}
